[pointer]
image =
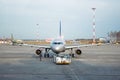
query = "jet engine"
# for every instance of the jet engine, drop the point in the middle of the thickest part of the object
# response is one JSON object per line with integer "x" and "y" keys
{"x": 78, "y": 51}
{"x": 38, "y": 51}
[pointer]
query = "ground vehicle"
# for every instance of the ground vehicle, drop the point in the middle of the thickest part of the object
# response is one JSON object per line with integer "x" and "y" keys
{"x": 62, "y": 59}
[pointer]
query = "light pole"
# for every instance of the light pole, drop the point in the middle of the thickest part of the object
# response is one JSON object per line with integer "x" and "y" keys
{"x": 94, "y": 33}
{"x": 37, "y": 32}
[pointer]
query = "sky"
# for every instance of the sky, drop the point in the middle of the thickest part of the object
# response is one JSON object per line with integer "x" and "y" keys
{"x": 33, "y": 19}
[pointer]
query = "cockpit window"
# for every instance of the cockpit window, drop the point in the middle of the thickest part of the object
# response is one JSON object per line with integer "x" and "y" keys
{"x": 57, "y": 43}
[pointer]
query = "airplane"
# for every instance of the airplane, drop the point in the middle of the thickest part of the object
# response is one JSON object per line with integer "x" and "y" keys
{"x": 15, "y": 42}
{"x": 103, "y": 40}
{"x": 57, "y": 45}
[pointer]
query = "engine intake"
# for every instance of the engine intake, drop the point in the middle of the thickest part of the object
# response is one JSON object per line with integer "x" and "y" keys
{"x": 78, "y": 51}
{"x": 38, "y": 51}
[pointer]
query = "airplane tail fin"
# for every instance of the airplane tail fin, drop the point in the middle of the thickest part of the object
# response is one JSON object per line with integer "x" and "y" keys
{"x": 60, "y": 30}
{"x": 12, "y": 38}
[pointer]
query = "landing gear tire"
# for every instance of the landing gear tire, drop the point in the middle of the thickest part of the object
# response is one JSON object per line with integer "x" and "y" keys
{"x": 48, "y": 55}
{"x": 73, "y": 55}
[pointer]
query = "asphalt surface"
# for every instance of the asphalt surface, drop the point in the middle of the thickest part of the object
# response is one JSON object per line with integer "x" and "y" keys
{"x": 95, "y": 63}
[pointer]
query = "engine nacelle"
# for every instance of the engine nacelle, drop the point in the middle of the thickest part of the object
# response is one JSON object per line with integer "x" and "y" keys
{"x": 78, "y": 51}
{"x": 38, "y": 51}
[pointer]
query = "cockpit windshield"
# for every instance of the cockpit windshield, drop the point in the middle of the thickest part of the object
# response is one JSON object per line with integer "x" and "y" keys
{"x": 57, "y": 43}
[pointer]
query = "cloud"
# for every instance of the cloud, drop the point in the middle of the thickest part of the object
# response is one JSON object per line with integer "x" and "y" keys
{"x": 37, "y": 7}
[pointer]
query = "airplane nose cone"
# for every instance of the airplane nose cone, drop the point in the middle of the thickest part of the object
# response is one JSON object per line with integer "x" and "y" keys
{"x": 58, "y": 49}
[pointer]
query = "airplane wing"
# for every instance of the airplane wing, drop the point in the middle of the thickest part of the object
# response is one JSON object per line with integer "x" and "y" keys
{"x": 78, "y": 46}
{"x": 37, "y": 46}
{"x": 66, "y": 47}
{"x": 47, "y": 48}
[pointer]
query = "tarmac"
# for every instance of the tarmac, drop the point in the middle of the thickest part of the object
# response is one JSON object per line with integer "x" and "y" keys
{"x": 95, "y": 63}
